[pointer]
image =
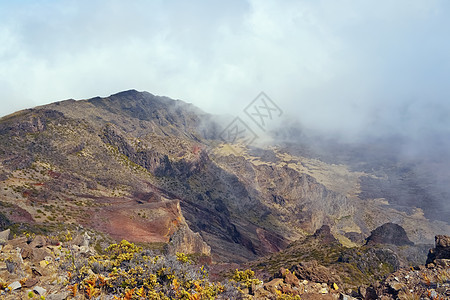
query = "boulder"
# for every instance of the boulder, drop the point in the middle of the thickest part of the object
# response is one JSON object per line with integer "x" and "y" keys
{"x": 27, "y": 252}
{"x": 4, "y": 236}
{"x": 30, "y": 282}
{"x": 262, "y": 294}
{"x": 274, "y": 285}
{"x": 82, "y": 240}
{"x": 40, "y": 253}
{"x": 441, "y": 250}
{"x": 14, "y": 286}
{"x": 38, "y": 242}
{"x": 39, "y": 290}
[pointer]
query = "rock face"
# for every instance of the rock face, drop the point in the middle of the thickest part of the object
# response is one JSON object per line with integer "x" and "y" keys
{"x": 4, "y": 221}
{"x": 389, "y": 233}
{"x": 441, "y": 250}
{"x": 375, "y": 261}
{"x": 442, "y": 246}
{"x": 186, "y": 241}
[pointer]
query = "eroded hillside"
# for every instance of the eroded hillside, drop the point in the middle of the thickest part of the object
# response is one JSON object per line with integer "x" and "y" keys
{"x": 136, "y": 166}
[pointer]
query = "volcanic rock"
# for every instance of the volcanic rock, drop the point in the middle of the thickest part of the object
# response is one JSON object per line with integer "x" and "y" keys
{"x": 389, "y": 233}
{"x": 312, "y": 271}
{"x": 324, "y": 233}
{"x": 14, "y": 286}
{"x": 441, "y": 250}
{"x": 4, "y": 236}
{"x": 40, "y": 290}
{"x": 186, "y": 241}
{"x": 30, "y": 282}
{"x": 38, "y": 242}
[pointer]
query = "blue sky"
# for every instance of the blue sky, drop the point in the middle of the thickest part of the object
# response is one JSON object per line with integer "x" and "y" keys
{"x": 337, "y": 66}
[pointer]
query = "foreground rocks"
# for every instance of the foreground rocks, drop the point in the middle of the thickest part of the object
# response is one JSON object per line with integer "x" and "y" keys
{"x": 402, "y": 282}
{"x": 35, "y": 267}
{"x": 430, "y": 282}
{"x": 441, "y": 251}
{"x": 287, "y": 284}
{"x": 30, "y": 268}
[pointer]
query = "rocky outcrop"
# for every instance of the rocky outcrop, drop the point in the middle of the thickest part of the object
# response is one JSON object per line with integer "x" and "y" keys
{"x": 389, "y": 233}
{"x": 312, "y": 271}
{"x": 375, "y": 261}
{"x": 4, "y": 236}
{"x": 186, "y": 241}
{"x": 31, "y": 121}
{"x": 441, "y": 250}
{"x": 324, "y": 233}
{"x": 150, "y": 159}
{"x": 290, "y": 285}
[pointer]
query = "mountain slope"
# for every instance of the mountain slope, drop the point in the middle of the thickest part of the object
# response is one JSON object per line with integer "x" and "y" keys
{"x": 142, "y": 167}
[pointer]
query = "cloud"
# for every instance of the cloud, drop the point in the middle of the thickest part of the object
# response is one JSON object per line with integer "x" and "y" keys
{"x": 348, "y": 66}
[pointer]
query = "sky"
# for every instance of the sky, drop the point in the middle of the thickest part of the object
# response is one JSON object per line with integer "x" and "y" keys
{"x": 346, "y": 67}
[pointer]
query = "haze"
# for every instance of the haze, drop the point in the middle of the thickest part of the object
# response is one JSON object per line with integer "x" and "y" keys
{"x": 347, "y": 67}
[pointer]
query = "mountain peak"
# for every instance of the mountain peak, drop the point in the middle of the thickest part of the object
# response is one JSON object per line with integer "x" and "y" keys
{"x": 131, "y": 92}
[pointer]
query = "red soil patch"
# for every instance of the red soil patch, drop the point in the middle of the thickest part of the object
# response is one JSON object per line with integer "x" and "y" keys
{"x": 270, "y": 242}
{"x": 19, "y": 215}
{"x": 120, "y": 219}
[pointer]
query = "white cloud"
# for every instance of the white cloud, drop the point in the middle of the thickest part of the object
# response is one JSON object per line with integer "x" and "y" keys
{"x": 345, "y": 66}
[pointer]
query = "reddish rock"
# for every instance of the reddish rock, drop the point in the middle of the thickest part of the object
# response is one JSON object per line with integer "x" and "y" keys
{"x": 287, "y": 289}
{"x": 274, "y": 285}
{"x": 27, "y": 253}
{"x": 292, "y": 279}
{"x": 30, "y": 282}
{"x": 289, "y": 277}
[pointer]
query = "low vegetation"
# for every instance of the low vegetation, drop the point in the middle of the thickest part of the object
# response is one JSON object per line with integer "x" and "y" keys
{"x": 130, "y": 272}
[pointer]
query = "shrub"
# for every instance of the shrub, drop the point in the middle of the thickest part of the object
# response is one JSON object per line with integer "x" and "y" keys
{"x": 245, "y": 278}
{"x": 129, "y": 272}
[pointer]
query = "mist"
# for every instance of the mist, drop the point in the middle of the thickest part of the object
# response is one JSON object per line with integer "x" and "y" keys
{"x": 350, "y": 71}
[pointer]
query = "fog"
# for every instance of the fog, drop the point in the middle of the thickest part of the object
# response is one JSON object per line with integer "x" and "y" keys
{"x": 351, "y": 70}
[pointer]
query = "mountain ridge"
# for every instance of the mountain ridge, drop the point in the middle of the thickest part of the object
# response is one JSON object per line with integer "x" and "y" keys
{"x": 134, "y": 154}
